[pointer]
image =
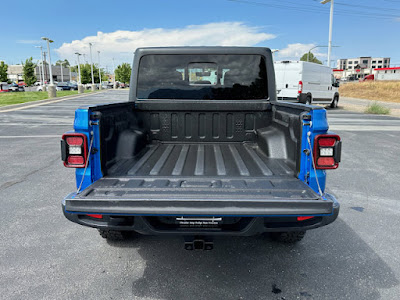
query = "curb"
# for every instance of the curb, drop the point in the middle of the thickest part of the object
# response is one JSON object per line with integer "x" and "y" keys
{"x": 20, "y": 106}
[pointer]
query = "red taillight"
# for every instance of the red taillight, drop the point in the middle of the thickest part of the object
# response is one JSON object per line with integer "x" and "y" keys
{"x": 75, "y": 160}
{"x": 74, "y": 150}
{"x": 74, "y": 141}
{"x": 327, "y": 151}
{"x": 95, "y": 216}
{"x": 300, "y": 87}
{"x": 303, "y": 218}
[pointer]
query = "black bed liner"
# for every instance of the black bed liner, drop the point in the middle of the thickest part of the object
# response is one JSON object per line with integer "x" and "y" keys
{"x": 200, "y": 179}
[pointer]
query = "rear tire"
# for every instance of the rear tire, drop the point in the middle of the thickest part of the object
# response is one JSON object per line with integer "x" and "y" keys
{"x": 308, "y": 100}
{"x": 289, "y": 237}
{"x": 115, "y": 235}
{"x": 334, "y": 103}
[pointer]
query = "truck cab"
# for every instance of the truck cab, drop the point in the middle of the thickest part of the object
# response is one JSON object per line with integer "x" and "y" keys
{"x": 201, "y": 149}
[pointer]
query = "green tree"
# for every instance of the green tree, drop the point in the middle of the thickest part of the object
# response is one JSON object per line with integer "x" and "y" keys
{"x": 86, "y": 73}
{"x": 123, "y": 73}
{"x": 3, "y": 72}
{"x": 311, "y": 58}
{"x": 65, "y": 62}
{"x": 29, "y": 72}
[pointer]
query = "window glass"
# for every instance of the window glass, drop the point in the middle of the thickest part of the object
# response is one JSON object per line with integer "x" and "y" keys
{"x": 202, "y": 77}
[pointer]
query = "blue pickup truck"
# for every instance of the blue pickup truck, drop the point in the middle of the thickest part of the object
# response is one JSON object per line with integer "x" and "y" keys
{"x": 201, "y": 149}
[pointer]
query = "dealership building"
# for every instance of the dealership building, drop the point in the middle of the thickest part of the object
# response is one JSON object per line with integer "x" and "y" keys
{"x": 15, "y": 73}
{"x": 360, "y": 67}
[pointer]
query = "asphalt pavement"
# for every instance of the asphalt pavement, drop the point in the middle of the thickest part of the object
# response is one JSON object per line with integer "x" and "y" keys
{"x": 44, "y": 256}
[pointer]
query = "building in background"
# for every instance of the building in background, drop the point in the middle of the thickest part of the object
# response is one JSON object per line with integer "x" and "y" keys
{"x": 364, "y": 62}
{"x": 357, "y": 68}
{"x": 15, "y": 73}
{"x": 387, "y": 73}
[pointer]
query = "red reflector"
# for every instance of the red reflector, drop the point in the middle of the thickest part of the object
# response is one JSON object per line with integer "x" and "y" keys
{"x": 327, "y": 142}
{"x": 75, "y": 160}
{"x": 74, "y": 141}
{"x": 303, "y": 218}
{"x": 326, "y": 161}
{"x": 95, "y": 216}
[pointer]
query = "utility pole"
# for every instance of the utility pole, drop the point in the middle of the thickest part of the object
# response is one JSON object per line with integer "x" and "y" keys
{"x": 91, "y": 67}
{"x": 52, "y": 89}
{"x": 80, "y": 87}
{"x": 330, "y": 29}
{"x": 45, "y": 67}
{"x": 41, "y": 69}
{"x": 98, "y": 57}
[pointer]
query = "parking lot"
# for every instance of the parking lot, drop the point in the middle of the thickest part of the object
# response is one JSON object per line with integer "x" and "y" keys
{"x": 44, "y": 256}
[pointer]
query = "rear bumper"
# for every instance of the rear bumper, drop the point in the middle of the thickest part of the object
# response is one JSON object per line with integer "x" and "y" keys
{"x": 273, "y": 217}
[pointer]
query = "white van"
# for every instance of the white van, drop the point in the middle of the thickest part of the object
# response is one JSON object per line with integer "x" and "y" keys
{"x": 306, "y": 82}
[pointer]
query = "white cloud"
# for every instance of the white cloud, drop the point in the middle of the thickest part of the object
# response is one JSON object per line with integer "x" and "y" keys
{"x": 295, "y": 51}
{"x": 122, "y": 44}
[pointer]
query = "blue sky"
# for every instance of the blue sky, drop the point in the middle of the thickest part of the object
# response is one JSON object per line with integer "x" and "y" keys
{"x": 361, "y": 28}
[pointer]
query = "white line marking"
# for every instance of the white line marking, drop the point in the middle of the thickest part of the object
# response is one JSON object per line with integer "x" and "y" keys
{"x": 363, "y": 128}
{"x": 28, "y": 136}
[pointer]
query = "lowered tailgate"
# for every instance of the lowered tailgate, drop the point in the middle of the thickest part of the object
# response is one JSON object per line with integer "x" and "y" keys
{"x": 205, "y": 196}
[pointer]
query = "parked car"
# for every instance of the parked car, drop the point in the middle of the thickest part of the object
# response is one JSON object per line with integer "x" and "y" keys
{"x": 73, "y": 86}
{"x": 63, "y": 86}
{"x": 40, "y": 88}
{"x": 210, "y": 154}
{"x": 306, "y": 82}
{"x": 370, "y": 77}
{"x": 13, "y": 87}
{"x": 4, "y": 87}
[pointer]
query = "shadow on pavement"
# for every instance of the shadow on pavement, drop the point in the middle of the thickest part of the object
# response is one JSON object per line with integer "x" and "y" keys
{"x": 330, "y": 263}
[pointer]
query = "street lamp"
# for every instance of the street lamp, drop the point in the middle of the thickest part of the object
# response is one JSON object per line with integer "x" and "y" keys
{"x": 308, "y": 53}
{"x": 91, "y": 65}
{"x": 41, "y": 70}
{"x": 52, "y": 89}
{"x": 80, "y": 88}
{"x": 114, "y": 85}
{"x": 330, "y": 29}
{"x": 48, "y": 51}
{"x": 98, "y": 57}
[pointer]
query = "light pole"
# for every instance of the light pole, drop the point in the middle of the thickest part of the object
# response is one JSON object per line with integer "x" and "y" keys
{"x": 273, "y": 52}
{"x": 80, "y": 87}
{"x": 98, "y": 57}
{"x": 308, "y": 53}
{"x": 41, "y": 70}
{"x": 91, "y": 66}
{"x": 52, "y": 89}
{"x": 61, "y": 68}
{"x": 330, "y": 29}
{"x": 70, "y": 74}
{"x": 114, "y": 85}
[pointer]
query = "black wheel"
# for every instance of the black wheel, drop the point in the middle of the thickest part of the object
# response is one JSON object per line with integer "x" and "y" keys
{"x": 289, "y": 237}
{"x": 115, "y": 235}
{"x": 335, "y": 102}
{"x": 308, "y": 100}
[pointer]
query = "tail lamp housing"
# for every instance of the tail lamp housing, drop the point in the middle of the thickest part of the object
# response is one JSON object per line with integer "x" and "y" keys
{"x": 327, "y": 151}
{"x": 74, "y": 150}
{"x": 300, "y": 87}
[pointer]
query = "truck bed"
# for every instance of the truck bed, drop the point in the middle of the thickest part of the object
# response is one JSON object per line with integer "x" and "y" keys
{"x": 202, "y": 178}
